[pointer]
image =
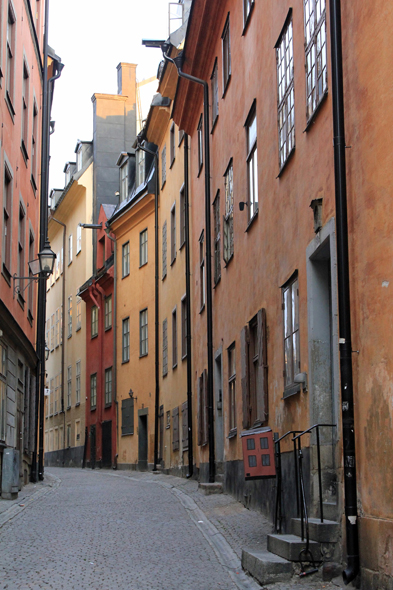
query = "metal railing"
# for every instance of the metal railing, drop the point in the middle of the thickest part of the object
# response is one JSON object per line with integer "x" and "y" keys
{"x": 278, "y": 511}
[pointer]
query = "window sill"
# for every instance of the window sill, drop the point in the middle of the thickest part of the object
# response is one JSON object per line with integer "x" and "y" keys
{"x": 202, "y": 308}
{"x": 292, "y": 390}
{"x": 108, "y": 328}
{"x": 94, "y": 336}
{"x": 311, "y": 120}
{"x": 184, "y": 357}
{"x": 77, "y": 254}
{"x": 125, "y": 362}
{"x": 6, "y": 274}
{"x": 182, "y": 245}
{"x": 217, "y": 282}
{"x": 93, "y": 409}
{"x": 251, "y": 221}
{"x": 125, "y": 276}
{"x": 21, "y": 301}
{"x": 173, "y": 261}
{"x": 289, "y": 157}
{"x": 171, "y": 164}
{"x": 167, "y": 427}
{"x": 200, "y": 170}
{"x": 10, "y": 107}
{"x": 232, "y": 433}
{"x": 163, "y": 184}
{"x": 164, "y": 277}
{"x": 78, "y": 329}
{"x": 127, "y": 433}
{"x": 77, "y": 404}
{"x": 142, "y": 265}
{"x": 68, "y": 408}
{"x": 174, "y": 366}
{"x": 69, "y": 336}
{"x": 141, "y": 356}
{"x": 165, "y": 375}
{"x": 228, "y": 261}
{"x": 108, "y": 405}
{"x": 214, "y": 125}
{"x": 30, "y": 317}
{"x": 33, "y": 184}
{"x": 24, "y": 152}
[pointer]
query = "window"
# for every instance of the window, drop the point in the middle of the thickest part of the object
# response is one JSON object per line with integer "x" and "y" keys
{"x": 77, "y": 432}
{"x": 93, "y": 391}
{"x": 79, "y": 158}
{"x": 57, "y": 266}
{"x": 3, "y": 392}
{"x": 69, "y": 316}
{"x": 228, "y": 217}
{"x": 126, "y": 340}
{"x": 168, "y": 419}
{"x": 10, "y": 57}
{"x": 202, "y": 275}
{"x": 34, "y": 147}
{"x": 173, "y": 233}
{"x": 181, "y": 135}
{"x": 174, "y": 338}
{"x": 143, "y": 247}
{"x": 226, "y": 55}
{"x": 286, "y": 97}
{"x": 202, "y": 416}
{"x": 61, "y": 261}
{"x": 184, "y": 327}
{"x": 252, "y": 163}
{"x": 175, "y": 429}
{"x": 67, "y": 172}
{"x": 315, "y": 44}
{"x": 57, "y": 327}
{"x": 182, "y": 217}
{"x": 25, "y": 110}
{"x": 21, "y": 249}
{"x": 108, "y": 386}
{"x": 78, "y": 239}
{"x": 108, "y": 312}
{"x": 127, "y": 416}
{"x": 248, "y": 5}
{"x": 200, "y": 145}
{"x": 217, "y": 238}
{"x": 232, "y": 387}
{"x": 56, "y": 405}
{"x": 172, "y": 145}
{"x": 124, "y": 182}
{"x": 126, "y": 259}
{"x": 70, "y": 249}
{"x": 51, "y": 396}
{"x": 78, "y": 383}
{"x": 165, "y": 347}
{"x": 52, "y": 331}
{"x": 141, "y": 167}
{"x": 94, "y": 321}
{"x": 163, "y": 166}
{"x": 7, "y": 221}
{"x": 290, "y": 296}
{"x": 214, "y": 92}
{"x": 78, "y": 312}
{"x": 164, "y": 250}
{"x": 69, "y": 386}
{"x": 143, "y": 341}
{"x": 253, "y": 353}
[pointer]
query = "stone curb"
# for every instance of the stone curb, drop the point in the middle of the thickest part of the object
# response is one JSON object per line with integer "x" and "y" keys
{"x": 16, "y": 509}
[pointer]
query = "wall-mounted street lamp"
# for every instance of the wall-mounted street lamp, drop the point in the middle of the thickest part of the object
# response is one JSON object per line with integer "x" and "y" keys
{"x": 40, "y": 268}
{"x": 47, "y": 351}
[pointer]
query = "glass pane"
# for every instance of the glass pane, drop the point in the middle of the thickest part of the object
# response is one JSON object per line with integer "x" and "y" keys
{"x": 288, "y": 361}
{"x": 287, "y": 313}
{"x": 296, "y": 355}
{"x": 295, "y": 305}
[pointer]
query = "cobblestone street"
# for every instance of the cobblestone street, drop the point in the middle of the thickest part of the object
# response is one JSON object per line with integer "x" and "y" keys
{"x": 105, "y": 530}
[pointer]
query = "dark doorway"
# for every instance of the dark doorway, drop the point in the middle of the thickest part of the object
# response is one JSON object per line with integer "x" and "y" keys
{"x": 107, "y": 443}
{"x": 93, "y": 446}
{"x": 142, "y": 440}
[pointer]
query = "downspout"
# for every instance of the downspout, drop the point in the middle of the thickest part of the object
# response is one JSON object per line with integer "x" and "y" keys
{"x": 188, "y": 307}
{"x": 114, "y": 311}
{"x": 63, "y": 334}
{"x": 156, "y": 303}
{"x": 344, "y": 296}
{"x": 209, "y": 304}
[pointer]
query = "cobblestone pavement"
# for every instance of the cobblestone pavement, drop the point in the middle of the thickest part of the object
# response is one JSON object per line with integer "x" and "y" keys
{"x": 105, "y": 530}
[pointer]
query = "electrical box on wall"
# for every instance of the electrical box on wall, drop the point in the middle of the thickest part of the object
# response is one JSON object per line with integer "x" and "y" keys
{"x": 258, "y": 453}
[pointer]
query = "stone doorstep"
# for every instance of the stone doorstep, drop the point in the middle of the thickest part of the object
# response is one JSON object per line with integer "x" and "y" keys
{"x": 289, "y": 547}
{"x": 322, "y": 532}
{"x": 266, "y": 567}
{"x": 210, "y": 488}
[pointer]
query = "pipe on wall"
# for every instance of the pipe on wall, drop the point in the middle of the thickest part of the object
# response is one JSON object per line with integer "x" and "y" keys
{"x": 348, "y": 426}
{"x": 188, "y": 307}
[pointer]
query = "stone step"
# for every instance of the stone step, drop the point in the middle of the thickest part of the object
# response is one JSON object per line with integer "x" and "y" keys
{"x": 210, "y": 488}
{"x": 322, "y": 532}
{"x": 290, "y": 546}
{"x": 266, "y": 567}
{"x": 219, "y": 477}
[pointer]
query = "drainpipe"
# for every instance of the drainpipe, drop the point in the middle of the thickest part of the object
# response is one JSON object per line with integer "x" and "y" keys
{"x": 209, "y": 311}
{"x": 188, "y": 307}
{"x": 63, "y": 334}
{"x": 344, "y": 296}
{"x": 156, "y": 303}
{"x": 114, "y": 323}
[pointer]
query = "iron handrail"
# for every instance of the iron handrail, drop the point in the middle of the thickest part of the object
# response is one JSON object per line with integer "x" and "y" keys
{"x": 278, "y": 511}
{"x": 297, "y": 438}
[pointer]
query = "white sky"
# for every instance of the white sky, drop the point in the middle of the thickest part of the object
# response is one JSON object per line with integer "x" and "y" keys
{"x": 92, "y": 37}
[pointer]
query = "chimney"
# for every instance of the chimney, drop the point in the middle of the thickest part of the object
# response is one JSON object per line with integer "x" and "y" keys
{"x": 126, "y": 79}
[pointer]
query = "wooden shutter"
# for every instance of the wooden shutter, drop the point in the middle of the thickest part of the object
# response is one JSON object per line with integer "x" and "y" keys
{"x": 244, "y": 340}
{"x": 175, "y": 429}
{"x": 200, "y": 409}
{"x": 127, "y": 416}
{"x": 164, "y": 250}
{"x": 262, "y": 385}
{"x": 205, "y": 409}
{"x": 184, "y": 420}
{"x": 226, "y": 238}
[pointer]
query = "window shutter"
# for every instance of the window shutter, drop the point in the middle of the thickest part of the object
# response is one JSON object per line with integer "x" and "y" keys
{"x": 262, "y": 385}
{"x": 244, "y": 339}
{"x": 226, "y": 238}
{"x": 205, "y": 408}
{"x": 184, "y": 419}
{"x": 175, "y": 429}
{"x": 127, "y": 416}
{"x": 200, "y": 409}
{"x": 164, "y": 250}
